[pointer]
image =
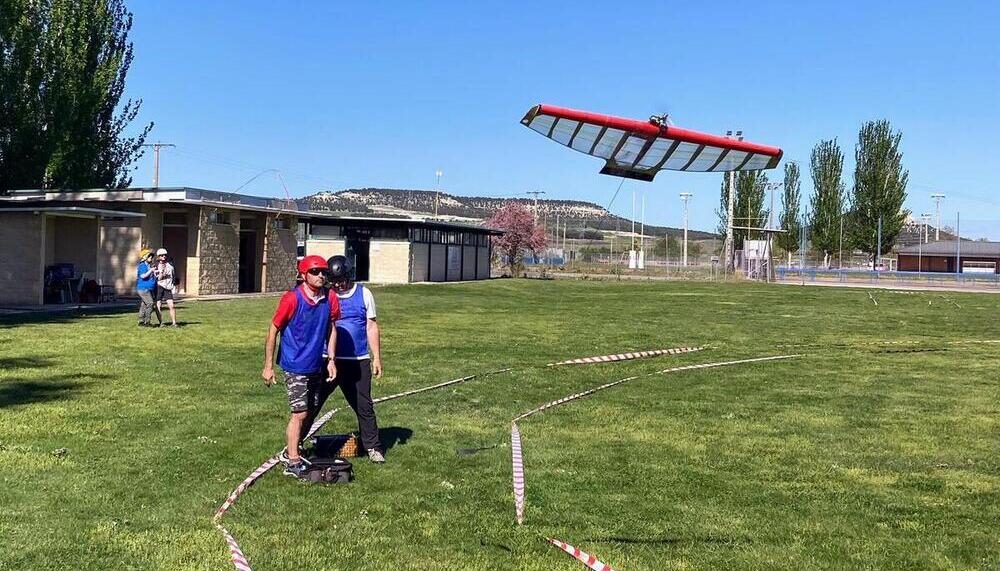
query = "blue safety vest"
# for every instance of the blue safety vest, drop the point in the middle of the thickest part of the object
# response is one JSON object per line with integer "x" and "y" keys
{"x": 303, "y": 340}
{"x": 352, "y": 327}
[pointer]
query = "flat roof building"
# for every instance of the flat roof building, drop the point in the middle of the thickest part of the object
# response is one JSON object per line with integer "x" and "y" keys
{"x": 53, "y": 242}
{"x": 947, "y": 256}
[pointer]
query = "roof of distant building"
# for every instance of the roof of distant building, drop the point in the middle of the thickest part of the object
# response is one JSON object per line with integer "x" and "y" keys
{"x": 950, "y": 248}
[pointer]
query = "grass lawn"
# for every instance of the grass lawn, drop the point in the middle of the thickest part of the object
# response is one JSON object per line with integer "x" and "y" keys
{"x": 117, "y": 444}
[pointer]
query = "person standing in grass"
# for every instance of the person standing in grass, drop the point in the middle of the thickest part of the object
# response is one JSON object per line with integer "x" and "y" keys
{"x": 358, "y": 351}
{"x": 164, "y": 272}
{"x": 305, "y": 320}
{"x": 144, "y": 285}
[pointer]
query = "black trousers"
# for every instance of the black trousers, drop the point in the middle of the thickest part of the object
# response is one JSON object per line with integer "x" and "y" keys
{"x": 355, "y": 380}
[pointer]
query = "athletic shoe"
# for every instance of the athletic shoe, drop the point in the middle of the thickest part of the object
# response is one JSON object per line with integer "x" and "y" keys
{"x": 297, "y": 469}
{"x": 375, "y": 456}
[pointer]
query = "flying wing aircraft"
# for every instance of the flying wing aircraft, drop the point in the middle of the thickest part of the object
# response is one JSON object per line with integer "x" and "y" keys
{"x": 640, "y": 149}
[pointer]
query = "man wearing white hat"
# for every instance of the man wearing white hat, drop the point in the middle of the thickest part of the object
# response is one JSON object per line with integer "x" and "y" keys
{"x": 164, "y": 272}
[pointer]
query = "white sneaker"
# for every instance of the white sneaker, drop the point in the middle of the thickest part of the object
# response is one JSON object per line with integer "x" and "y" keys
{"x": 375, "y": 456}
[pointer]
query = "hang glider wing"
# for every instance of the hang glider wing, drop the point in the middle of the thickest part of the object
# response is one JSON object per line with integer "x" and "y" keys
{"x": 640, "y": 149}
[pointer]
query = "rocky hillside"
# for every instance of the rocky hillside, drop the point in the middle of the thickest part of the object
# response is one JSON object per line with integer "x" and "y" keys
{"x": 580, "y": 215}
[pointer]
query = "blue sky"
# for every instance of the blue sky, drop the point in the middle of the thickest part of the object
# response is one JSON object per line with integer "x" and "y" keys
{"x": 382, "y": 94}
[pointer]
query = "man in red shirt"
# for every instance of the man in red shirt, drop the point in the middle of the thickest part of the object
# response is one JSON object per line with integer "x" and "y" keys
{"x": 304, "y": 318}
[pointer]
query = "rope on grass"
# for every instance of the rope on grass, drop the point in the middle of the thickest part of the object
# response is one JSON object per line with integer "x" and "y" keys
{"x": 239, "y": 560}
{"x": 626, "y": 356}
{"x": 581, "y": 556}
{"x": 518, "y": 463}
{"x": 517, "y": 449}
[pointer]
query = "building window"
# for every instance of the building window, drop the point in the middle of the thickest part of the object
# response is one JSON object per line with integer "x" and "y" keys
{"x": 282, "y": 223}
{"x": 219, "y": 217}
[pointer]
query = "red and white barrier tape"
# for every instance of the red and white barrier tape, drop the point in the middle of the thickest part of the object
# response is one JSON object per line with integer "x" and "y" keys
{"x": 518, "y": 462}
{"x": 239, "y": 559}
{"x": 517, "y": 449}
{"x": 626, "y": 356}
{"x": 581, "y": 556}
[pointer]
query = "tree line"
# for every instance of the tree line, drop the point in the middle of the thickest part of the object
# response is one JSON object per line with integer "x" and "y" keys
{"x": 871, "y": 215}
{"x": 63, "y": 123}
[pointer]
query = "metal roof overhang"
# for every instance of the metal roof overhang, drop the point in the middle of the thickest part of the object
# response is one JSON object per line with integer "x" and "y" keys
{"x": 75, "y": 212}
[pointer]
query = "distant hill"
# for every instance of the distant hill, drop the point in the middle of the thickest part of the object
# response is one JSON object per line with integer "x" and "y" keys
{"x": 580, "y": 215}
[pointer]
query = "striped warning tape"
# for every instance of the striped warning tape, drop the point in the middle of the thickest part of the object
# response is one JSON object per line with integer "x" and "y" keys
{"x": 581, "y": 556}
{"x": 626, "y": 356}
{"x": 517, "y": 449}
{"x": 874, "y": 343}
{"x": 518, "y": 462}
{"x": 238, "y": 558}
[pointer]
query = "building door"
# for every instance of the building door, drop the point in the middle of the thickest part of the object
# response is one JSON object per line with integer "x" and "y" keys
{"x": 175, "y": 240}
{"x": 248, "y": 259}
{"x": 357, "y": 253}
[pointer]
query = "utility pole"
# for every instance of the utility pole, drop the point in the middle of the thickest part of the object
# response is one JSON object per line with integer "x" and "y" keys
{"x": 535, "y": 193}
{"x": 437, "y": 191}
{"x": 156, "y": 160}
{"x": 730, "y": 239}
{"x": 685, "y": 196}
{"x": 937, "y": 200}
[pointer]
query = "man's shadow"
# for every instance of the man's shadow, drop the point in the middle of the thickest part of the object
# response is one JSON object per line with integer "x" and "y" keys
{"x": 393, "y": 436}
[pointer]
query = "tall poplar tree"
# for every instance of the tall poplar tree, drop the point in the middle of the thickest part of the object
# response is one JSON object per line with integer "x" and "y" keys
{"x": 63, "y": 121}
{"x": 791, "y": 196}
{"x": 826, "y": 165}
{"x": 879, "y": 188}
{"x": 751, "y": 186}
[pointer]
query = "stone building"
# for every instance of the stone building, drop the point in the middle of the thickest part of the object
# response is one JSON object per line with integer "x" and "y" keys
{"x": 53, "y": 243}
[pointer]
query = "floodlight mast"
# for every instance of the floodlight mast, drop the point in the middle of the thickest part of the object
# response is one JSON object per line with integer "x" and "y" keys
{"x": 937, "y": 229}
{"x": 437, "y": 191}
{"x": 685, "y": 196}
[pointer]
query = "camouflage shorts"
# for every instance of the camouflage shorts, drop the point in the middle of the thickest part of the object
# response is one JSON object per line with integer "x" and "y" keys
{"x": 303, "y": 390}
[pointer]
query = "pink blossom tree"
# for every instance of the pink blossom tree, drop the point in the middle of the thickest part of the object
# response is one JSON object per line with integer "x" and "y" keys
{"x": 521, "y": 235}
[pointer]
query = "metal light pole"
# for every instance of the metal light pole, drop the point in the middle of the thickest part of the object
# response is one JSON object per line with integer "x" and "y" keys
{"x": 937, "y": 200}
{"x": 685, "y": 196}
{"x": 926, "y": 218}
{"x": 730, "y": 239}
{"x": 437, "y": 191}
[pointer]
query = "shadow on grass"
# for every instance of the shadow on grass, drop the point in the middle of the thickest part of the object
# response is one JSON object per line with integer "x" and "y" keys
{"x": 19, "y": 392}
{"x": 66, "y": 315}
{"x": 393, "y": 436}
{"x": 25, "y": 362}
{"x": 670, "y": 540}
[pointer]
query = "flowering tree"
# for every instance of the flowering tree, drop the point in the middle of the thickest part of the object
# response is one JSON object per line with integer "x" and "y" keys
{"x": 520, "y": 234}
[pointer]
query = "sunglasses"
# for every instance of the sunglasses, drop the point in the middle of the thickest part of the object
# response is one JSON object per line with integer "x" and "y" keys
{"x": 315, "y": 272}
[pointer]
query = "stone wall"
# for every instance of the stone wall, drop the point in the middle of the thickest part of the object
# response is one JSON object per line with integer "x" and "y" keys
{"x": 218, "y": 254}
{"x": 390, "y": 262}
{"x": 281, "y": 246}
{"x": 23, "y": 237}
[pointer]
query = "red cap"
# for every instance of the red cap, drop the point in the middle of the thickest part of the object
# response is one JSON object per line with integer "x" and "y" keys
{"x": 312, "y": 262}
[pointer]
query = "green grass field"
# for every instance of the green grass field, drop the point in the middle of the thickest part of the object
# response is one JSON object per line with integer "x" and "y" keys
{"x": 118, "y": 444}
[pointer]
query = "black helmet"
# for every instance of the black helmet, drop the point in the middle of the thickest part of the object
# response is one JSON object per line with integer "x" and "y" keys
{"x": 340, "y": 268}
